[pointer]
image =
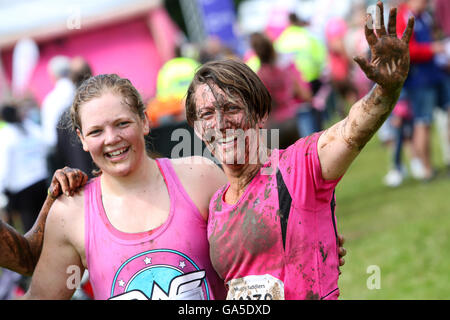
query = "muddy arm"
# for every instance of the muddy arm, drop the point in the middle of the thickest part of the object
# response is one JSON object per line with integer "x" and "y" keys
{"x": 339, "y": 145}
{"x": 20, "y": 253}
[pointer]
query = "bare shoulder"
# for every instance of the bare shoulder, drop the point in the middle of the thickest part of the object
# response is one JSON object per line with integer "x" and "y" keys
{"x": 201, "y": 178}
{"x": 198, "y": 169}
{"x": 66, "y": 215}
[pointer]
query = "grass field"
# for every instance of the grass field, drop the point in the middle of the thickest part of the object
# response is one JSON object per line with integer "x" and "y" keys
{"x": 405, "y": 231}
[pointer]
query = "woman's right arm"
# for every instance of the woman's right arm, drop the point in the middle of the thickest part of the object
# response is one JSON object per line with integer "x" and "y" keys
{"x": 54, "y": 273}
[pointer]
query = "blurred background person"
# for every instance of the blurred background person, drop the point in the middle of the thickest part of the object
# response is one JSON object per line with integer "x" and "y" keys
{"x": 442, "y": 116}
{"x": 427, "y": 84}
{"x": 310, "y": 59}
{"x": 309, "y": 51}
{"x": 442, "y": 14}
{"x": 23, "y": 170}
{"x": 401, "y": 126}
{"x": 173, "y": 80}
{"x": 214, "y": 49}
{"x": 338, "y": 65}
{"x": 166, "y": 110}
{"x": 356, "y": 45}
{"x": 287, "y": 88}
{"x": 55, "y": 103}
{"x": 23, "y": 175}
{"x": 68, "y": 150}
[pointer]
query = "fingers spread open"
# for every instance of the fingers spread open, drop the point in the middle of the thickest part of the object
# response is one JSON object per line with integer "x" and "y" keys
{"x": 392, "y": 24}
{"x": 408, "y": 31}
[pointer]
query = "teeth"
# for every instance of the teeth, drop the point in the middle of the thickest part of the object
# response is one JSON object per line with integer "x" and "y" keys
{"x": 226, "y": 140}
{"x": 116, "y": 153}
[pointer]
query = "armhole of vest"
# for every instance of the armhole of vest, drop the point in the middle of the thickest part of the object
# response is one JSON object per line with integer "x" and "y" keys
{"x": 333, "y": 217}
{"x": 170, "y": 176}
{"x": 87, "y": 222}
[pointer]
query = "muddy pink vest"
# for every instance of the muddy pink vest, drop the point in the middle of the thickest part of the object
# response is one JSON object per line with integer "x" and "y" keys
{"x": 169, "y": 262}
{"x": 279, "y": 241}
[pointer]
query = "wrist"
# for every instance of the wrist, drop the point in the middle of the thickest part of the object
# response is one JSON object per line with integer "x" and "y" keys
{"x": 391, "y": 93}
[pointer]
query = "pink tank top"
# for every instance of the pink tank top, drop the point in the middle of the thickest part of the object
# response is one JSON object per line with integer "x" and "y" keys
{"x": 169, "y": 262}
{"x": 279, "y": 241}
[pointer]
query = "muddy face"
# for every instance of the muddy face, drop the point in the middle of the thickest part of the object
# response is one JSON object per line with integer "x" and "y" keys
{"x": 226, "y": 126}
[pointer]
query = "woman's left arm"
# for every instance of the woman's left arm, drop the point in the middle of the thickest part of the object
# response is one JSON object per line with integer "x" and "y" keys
{"x": 339, "y": 145}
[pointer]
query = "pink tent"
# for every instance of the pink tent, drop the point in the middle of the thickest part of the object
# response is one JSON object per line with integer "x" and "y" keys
{"x": 134, "y": 47}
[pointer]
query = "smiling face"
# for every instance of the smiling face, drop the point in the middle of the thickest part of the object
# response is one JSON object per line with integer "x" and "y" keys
{"x": 113, "y": 134}
{"x": 224, "y": 124}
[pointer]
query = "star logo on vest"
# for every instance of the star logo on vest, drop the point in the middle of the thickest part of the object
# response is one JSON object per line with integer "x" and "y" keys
{"x": 164, "y": 275}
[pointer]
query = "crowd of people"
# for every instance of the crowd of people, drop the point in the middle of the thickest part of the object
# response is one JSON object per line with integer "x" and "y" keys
{"x": 313, "y": 79}
{"x": 305, "y": 82}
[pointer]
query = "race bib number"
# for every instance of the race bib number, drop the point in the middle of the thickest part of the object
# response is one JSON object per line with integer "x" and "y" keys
{"x": 261, "y": 287}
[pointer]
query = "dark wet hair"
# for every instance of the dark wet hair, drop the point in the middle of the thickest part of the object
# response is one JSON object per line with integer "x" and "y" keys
{"x": 235, "y": 79}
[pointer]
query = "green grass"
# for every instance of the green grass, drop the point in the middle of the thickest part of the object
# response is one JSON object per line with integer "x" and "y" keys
{"x": 404, "y": 231}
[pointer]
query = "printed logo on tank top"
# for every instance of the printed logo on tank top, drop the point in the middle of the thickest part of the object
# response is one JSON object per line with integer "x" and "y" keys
{"x": 160, "y": 274}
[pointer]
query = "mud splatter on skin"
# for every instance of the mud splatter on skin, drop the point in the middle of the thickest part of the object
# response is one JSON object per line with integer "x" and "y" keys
{"x": 21, "y": 253}
{"x": 359, "y": 127}
{"x": 221, "y": 113}
{"x": 16, "y": 252}
{"x": 218, "y": 201}
{"x": 388, "y": 68}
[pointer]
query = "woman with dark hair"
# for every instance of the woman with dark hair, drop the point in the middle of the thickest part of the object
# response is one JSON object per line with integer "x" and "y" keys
{"x": 271, "y": 228}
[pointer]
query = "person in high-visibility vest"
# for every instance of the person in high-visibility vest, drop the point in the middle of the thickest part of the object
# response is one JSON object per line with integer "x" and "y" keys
{"x": 173, "y": 80}
{"x": 310, "y": 57}
{"x": 310, "y": 52}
